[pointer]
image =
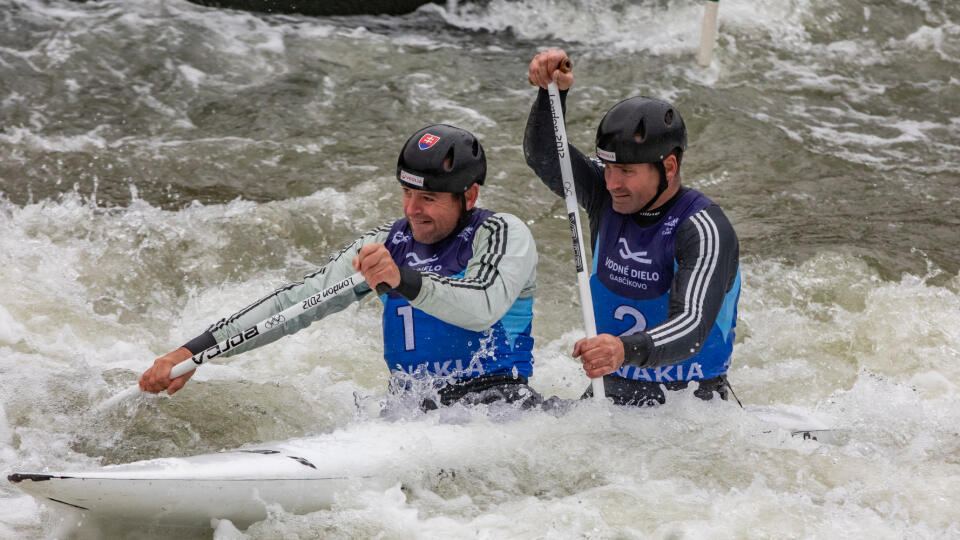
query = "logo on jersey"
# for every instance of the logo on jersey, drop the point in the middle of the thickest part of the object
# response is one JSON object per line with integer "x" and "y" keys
{"x": 668, "y": 226}
{"x": 676, "y": 372}
{"x": 399, "y": 238}
{"x": 465, "y": 233}
{"x": 638, "y": 256}
{"x": 417, "y": 261}
{"x": 427, "y": 141}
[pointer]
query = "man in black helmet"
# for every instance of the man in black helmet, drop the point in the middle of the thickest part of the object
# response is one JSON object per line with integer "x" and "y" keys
{"x": 456, "y": 282}
{"x": 666, "y": 273}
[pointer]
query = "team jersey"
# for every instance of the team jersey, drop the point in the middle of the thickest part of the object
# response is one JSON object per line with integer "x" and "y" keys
{"x": 483, "y": 287}
{"x": 687, "y": 309}
{"x": 418, "y": 343}
{"x": 633, "y": 275}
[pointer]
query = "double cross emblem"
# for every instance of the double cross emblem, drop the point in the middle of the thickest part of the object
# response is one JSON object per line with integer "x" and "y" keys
{"x": 633, "y": 255}
{"x": 399, "y": 237}
{"x": 417, "y": 261}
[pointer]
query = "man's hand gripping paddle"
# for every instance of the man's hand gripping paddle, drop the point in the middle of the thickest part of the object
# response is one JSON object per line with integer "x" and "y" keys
{"x": 573, "y": 213}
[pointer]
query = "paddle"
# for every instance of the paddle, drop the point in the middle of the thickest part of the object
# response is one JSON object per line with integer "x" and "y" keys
{"x": 266, "y": 325}
{"x": 262, "y": 327}
{"x": 573, "y": 214}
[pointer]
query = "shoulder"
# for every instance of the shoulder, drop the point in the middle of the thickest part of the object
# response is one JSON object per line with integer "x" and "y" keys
{"x": 708, "y": 226}
{"x": 503, "y": 232}
{"x": 509, "y": 219}
{"x": 507, "y": 223}
{"x": 706, "y": 211}
{"x": 379, "y": 234}
{"x": 373, "y": 236}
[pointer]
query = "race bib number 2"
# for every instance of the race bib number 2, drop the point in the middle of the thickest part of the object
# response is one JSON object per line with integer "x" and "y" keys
{"x": 639, "y": 321}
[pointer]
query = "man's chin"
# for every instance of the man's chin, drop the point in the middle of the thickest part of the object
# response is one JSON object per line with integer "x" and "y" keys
{"x": 426, "y": 237}
{"x": 624, "y": 208}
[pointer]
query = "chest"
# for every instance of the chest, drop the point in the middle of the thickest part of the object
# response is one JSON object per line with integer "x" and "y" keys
{"x": 448, "y": 257}
{"x": 639, "y": 262}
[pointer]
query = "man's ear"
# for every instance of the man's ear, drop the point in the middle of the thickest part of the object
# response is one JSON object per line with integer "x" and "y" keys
{"x": 471, "y": 195}
{"x": 670, "y": 167}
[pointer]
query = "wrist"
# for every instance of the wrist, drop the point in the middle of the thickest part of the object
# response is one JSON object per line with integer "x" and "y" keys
{"x": 200, "y": 343}
{"x": 410, "y": 283}
{"x": 636, "y": 349}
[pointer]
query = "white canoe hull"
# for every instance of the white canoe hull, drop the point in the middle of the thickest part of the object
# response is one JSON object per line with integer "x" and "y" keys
{"x": 306, "y": 475}
{"x": 237, "y": 485}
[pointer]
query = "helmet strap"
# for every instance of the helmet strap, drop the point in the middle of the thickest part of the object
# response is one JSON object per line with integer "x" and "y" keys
{"x": 464, "y": 213}
{"x": 660, "y": 188}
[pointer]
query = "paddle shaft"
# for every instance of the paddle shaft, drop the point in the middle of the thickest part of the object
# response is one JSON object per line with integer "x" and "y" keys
{"x": 266, "y": 325}
{"x": 573, "y": 215}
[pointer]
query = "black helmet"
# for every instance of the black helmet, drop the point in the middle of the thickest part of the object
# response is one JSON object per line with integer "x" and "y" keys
{"x": 640, "y": 130}
{"x": 421, "y": 162}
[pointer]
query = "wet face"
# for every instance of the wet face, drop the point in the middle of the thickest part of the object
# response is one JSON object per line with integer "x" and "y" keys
{"x": 432, "y": 215}
{"x": 631, "y": 185}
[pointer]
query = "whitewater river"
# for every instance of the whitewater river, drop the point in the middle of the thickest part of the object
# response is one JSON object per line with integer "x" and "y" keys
{"x": 163, "y": 164}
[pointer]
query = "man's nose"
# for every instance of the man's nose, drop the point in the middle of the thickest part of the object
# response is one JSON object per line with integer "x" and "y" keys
{"x": 411, "y": 206}
{"x": 612, "y": 178}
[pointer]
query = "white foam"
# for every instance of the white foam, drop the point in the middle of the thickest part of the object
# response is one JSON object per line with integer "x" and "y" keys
{"x": 628, "y": 26}
{"x": 92, "y": 295}
{"x": 6, "y": 435}
{"x": 814, "y": 339}
{"x": 193, "y": 75}
{"x": 21, "y": 136}
{"x": 937, "y": 40}
{"x": 11, "y": 331}
{"x": 21, "y": 514}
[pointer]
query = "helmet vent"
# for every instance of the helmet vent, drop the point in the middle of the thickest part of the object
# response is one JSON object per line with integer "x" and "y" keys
{"x": 448, "y": 160}
{"x": 668, "y": 118}
{"x": 641, "y": 133}
{"x": 476, "y": 148}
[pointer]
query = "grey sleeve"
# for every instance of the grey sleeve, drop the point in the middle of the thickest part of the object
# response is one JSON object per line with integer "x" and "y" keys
{"x": 540, "y": 151}
{"x": 502, "y": 269}
{"x": 337, "y": 269}
{"x": 707, "y": 253}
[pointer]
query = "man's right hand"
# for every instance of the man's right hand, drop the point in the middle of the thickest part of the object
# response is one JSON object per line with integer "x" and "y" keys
{"x": 157, "y": 378}
{"x": 545, "y": 68}
{"x": 377, "y": 266}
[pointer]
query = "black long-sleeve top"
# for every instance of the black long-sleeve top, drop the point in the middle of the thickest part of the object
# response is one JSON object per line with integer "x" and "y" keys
{"x": 688, "y": 322}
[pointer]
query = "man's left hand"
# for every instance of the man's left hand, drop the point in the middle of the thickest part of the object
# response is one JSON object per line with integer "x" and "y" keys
{"x": 377, "y": 266}
{"x": 600, "y": 355}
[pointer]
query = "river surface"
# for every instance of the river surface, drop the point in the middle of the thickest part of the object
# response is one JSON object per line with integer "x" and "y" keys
{"x": 163, "y": 164}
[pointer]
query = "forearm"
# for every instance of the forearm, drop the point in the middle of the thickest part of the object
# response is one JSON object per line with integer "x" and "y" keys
{"x": 640, "y": 349}
{"x": 338, "y": 268}
{"x": 540, "y": 142}
{"x": 501, "y": 270}
{"x": 540, "y": 151}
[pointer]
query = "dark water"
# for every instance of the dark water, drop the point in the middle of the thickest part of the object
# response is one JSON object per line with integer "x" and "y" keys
{"x": 825, "y": 126}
